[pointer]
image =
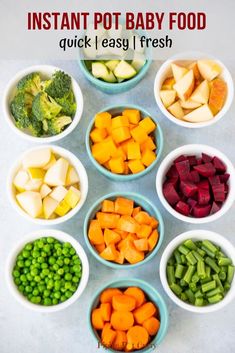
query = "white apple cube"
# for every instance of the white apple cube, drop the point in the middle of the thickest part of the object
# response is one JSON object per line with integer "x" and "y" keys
{"x": 49, "y": 206}
{"x": 56, "y": 175}
{"x": 58, "y": 193}
{"x": 20, "y": 180}
{"x": 31, "y": 203}
{"x": 37, "y": 158}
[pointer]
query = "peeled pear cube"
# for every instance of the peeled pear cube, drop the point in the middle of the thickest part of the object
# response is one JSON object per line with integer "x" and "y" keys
{"x": 59, "y": 193}
{"x": 124, "y": 70}
{"x": 72, "y": 176}
{"x": 36, "y": 173}
{"x": 31, "y": 203}
{"x": 20, "y": 180}
{"x": 138, "y": 61}
{"x": 185, "y": 85}
{"x": 178, "y": 71}
{"x": 209, "y": 69}
{"x": 56, "y": 174}
{"x": 45, "y": 190}
{"x": 51, "y": 162}
{"x": 49, "y": 206}
{"x": 37, "y": 158}
{"x": 168, "y": 97}
{"x": 77, "y": 191}
{"x": 201, "y": 93}
{"x": 189, "y": 104}
{"x": 111, "y": 64}
{"x": 199, "y": 115}
{"x": 99, "y": 70}
{"x": 72, "y": 198}
{"x": 176, "y": 110}
{"x": 33, "y": 185}
{"x": 62, "y": 208}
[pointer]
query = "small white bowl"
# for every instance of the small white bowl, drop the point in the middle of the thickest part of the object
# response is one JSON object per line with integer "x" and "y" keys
{"x": 75, "y": 162}
{"x": 199, "y": 234}
{"x": 195, "y": 149}
{"x": 45, "y": 71}
{"x": 63, "y": 237}
{"x": 164, "y": 72}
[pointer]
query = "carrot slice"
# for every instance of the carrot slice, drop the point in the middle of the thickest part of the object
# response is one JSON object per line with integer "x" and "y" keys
{"x": 107, "y": 295}
{"x": 143, "y": 218}
{"x": 109, "y": 253}
{"x": 123, "y": 206}
{"x": 107, "y": 206}
{"x": 153, "y": 239}
{"x": 128, "y": 224}
{"x": 144, "y": 312}
{"x": 95, "y": 233}
{"x": 141, "y": 244}
{"x": 122, "y": 320}
{"x": 152, "y": 325}
{"x": 136, "y": 293}
{"x": 111, "y": 237}
{"x": 123, "y": 302}
{"x": 107, "y": 220}
{"x": 106, "y": 310}
{"x": 108, "y": 335}
{"x": 97, "y": 319}
{"x": 120, "y": 341}
{"x": 137, "y": 337}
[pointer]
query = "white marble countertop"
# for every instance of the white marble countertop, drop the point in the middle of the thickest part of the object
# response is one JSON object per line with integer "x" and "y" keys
{"x": 23, "y": 331}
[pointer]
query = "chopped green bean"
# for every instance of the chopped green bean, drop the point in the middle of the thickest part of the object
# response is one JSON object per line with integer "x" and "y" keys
{"x": 199, "y": 302}
{"x": 197, "y": 255}
{"x": 171, "y": 261}
{"x": 224, "y": 261}
{"x": 176, "y": 288}
{"x": 183, "y": 297}
{"x": 179, "y": 271}
{"x": 222, "y": 275}
{"x": 190, "y": 244}
{"x": 170, "y": 274}
{"x": 193, "y": 286}
{"x": 183, "y": 283}
{"x": 201, "y": 252}
{"x": 183, "y": 250}
{"x": 191, "y": 259}
{"x": 183, "y": 259}
{"x": 177, "y": 256}
{"x": 230, "y": 274}
{"x": 195, "y": 278}
{"x": 201, "y": 269}
{"x": 198, "y": 294}
{"x": 189, "y": 273}
{"x": 226, "y": 286}
{"x": 208, "y": 286}
{"x": 209, "y": 253}
{"x": 190, "y": 295}
{"x": 212, "y": 264}
{"x": 218, "y": 282}
{"x": 215, "y": 299}
{"x": 213, "y": 292}
{"x": 210, "y": 246}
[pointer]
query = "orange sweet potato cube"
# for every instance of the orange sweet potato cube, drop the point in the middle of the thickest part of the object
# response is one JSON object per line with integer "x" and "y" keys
{"x": 154, "y": 223}
{"x": 136, "y": 210}
{"x": 133, "y": 150}
{"x": 120, "y": 153}
{"x": 111, "y": 237}
{"x": 107, "y": 220}
{"x": 153, "y": 239}
{"x": 100, "y": 153}
{"x": 107, "y": 206}
{"x": 117, "y": 165}
{"x": 128, "y": 224}
{"x": 109, "y": 253}
{"x": 126, "y": 168}
{"x": 100, "y": 247}
{"x": 95, "y": 233}
{"x": 131, "y": 254}
{"x": 133, "y": 115}
{"x": 141, "y": 244}
{"x": 148, "y": 157}
{"x": 143, "y": 217}
{"x": 120, "y": 121}
{"x": 103, "y": 120}
{"x": 123, "y": 206}
{"x": 125, "y": 144}
{"x": 148, "y": 144}
{"x": 144, "y": 231}
{"x": 121, "y": 134}
{"x": 110, "y": 146}
{"x": 148, "y": 125}
{"x": 139, "y": 134}
{"x": 120, "y": 258}
{"x": 136, "y": 166}
{"x": 98, "y": 134}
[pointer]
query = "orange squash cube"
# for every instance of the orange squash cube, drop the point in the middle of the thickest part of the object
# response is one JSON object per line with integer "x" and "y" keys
{"x": 95, "y": 233}
{"x": 111, "y": 237}
{"x": 125, "y": 144}
{"x": 123, "y": 206}
{"x": 148, "y": 157}
{"x": 110, "y": 146}
{"x": 98, "y": 135}
{"x": 107, "y": 206}
{"x": 153, "y": 239}
{"x": 120, "y": 153}
{"x": 100, "y": 247}
{"x": 148, "y": 125}
{"x": 109, "y": 253}
{"x": 121, "y": 134}
{"x": 117, "y": 165}
{"x": 148, "y": 144}
{"x": 133, "y": 115}
{"x": 154, "y": 223}
{"x": 133, "y": 150}
{"x": 107, "y": 220}
{"x": 139, "y": 134}
{"x": 128, "y": 224}
{"x": 119, "y": 121}
{"x": 144, "y": 231}
{"x": 141, "y": 244}
{"x": 100, "y": 153}
{"x": 103, "y": 120}
{"x": 136, "y": 166}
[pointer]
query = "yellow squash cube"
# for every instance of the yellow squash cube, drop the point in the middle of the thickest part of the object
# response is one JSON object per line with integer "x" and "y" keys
{"x": 121, "y": 134}
{"x": 136, "y": 166}
{"x": 103, "y": 120}
{"x": 98, "y": 134}
{"x": 133, "y": 150}
{"x": 117, "y": 165}
{"x": 139, "y": 134}
{"x": 148, "y": 157}
{"x": 120, "y": 121}
{"x": 133, "y": 115}
{"x": 148, "y": 125}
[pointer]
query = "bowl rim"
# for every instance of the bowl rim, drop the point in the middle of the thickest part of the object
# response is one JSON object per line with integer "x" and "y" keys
{"x": 76, "y": 163}
{"x": 63, "y": 237}
{"x": 122, "y": 177}
{"x": 129, "y": 194}
{"x": 142, "y": 284}
{"x": 107, "y": 85}
{"x": 188, "y": 149}
{"x": 196, "y": 234}
{"x": 192, "y": 55}
{"x": 41, "y": 69}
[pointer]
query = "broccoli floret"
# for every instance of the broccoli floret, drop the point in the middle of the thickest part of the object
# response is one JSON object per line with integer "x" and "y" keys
{"x": 57, "y": 125}
{"x": 68, "y": 104}
{"x": 45, "y": 107}
{"x": 60, "y": 85}
{"x": 21, "y": 107}
{"x": 35, "y": 127}
{"x": 45, "y": 84}
{"x": 30, "y": 83}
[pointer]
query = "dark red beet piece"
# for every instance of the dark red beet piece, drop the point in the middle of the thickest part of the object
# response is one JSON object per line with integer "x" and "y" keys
{"x": 215, "y": 208}
{"x": 183, "y": 168}
{"x": 199, "y": 161}
{"x": 170, "y": 193}
{"x": 182, "y": 208}
{"x": 206, "y": 158}
{"x": 192, "y": 160}
{"x": 194, "y": 176}
{"x": 219, "y": 165}
{"x": 224, "y": 177}
{"x": 172, "y": 181}
{"x": 226, "y": 188}
{"x": 214, "y": 180}
{"x": 203, "y": 184}
{"x": 180, "y": 159}
{"x": 206, "y": 169}
{"x": 203, "y": 196}
{"x": 201, "y": 211}
{"x": 172, "y": 172}
{"x": 192, "y": 203}
{"x": 218, "y": 192}
{"x": 188, "y": 188}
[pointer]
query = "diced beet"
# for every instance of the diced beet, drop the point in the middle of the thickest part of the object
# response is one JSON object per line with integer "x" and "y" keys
{"x": 226, "y": 188}
{"x": 188, "y": 188}
{"x": 219, "y": 165}
{"x": 173, "y": 181}
{"x": 203, "y": 196}
{"x": 180, "y": 159}
{"x": 192, "y": 160}
{"x": 224, "y": 177}
{"x": 172, "y": 172}
{"x": 170, "y": 193}
{"x": 214, "y": 180}
{"x": 199, "y": 161}
{"x": 192, "y": 203}
{"x": 203, "y": 184}
{"x": 215, "y": 208}
{"x": 206, "y": 158}
{"x": 218, "y": 192}
{"x": 183, "y": 168}
{"x": 206, "y": 169}
{"x": 201, "y": 211}
{"x": 194, "y": 176}
{"x": 182, "y": 208}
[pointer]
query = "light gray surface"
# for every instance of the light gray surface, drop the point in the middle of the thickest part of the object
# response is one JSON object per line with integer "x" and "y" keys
{"x": 22, "y": 331}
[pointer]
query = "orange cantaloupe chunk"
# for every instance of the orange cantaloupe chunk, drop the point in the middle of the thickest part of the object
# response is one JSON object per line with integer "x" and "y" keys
{"x": 107, "y": 220}
{"x": 107, "y": 335}
{"x": 123, "y": 206}
{"x": 152, "y": 325}
{"x": 107, "y": 206}
{"x": 95, "y": 233}
{"x": 111, "y": 237}
{"x": 108, "y": 293}
{"x": 141, "y": 244}
{"x": 109, "y": 253}
{"x": 147, "y": 124}
{"x": 144, "y": 312}
{"x": 136, "y": 293}
{"x": 122, "y": 320}
{"x": 97, "y": 319}
{"x": 123, "y": 302}
{"x": 153, "y": 239}
{"x": 133, "y": 115}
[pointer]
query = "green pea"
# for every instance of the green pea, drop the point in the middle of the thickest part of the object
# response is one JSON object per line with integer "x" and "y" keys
{"x": 44, "y": 265}
{"x": 50, "y": 240}
{"x": 56, "y": 267}
{"x": 68, "y": 294}
{"x": 52, "y": 260}
{"x": 37, "y": 278}
{"x": 28, "y": 289}
{"x": 75, "y": 279}
{"x": 29, "y": 246}
{"x": 26, "y": 254}
{"x": 35, "y": 292}
{"x": 55, "y": 301}
{"x": 47, "y": 248}
{"x": 47, "y": 301}
{"x": 17, "y": 281}
{"x": 46, "y": 293}
{"x": 23, "y": 278}
{"x": 20, "y": 263}
{"x": 68, "y": 277}
{"x": 28, "y": 263}
{"x": 66, "y": 261}
{"x": 34, "y": 271}
{"x": 60, "y": 271}
{"x": 16, "y": 273}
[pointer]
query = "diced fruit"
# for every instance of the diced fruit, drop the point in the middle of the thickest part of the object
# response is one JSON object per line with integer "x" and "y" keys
{"x": 107, "y": 220}
{"x": 148, "y": 144}
{"x": 36, "y": 173}
{"x": 121, "y": 134}
{"x": 124, "y": 70}
{"x": 139, "y": 134}
{"x": 21, "y": 180}
{"x": 33, "y": 185}
{"x": 100, "y": 152}
{"x": 178, "y": 71}
{"x": 45, "y": 190}
{"x": 119, "y": 121}
{"x": 31, "y": 203}
{"x": 153, "y": 239}
{"x": 182, "y": 208}
{"x": 37, "y": 158}
{"x": 200, "y": 114}
{"x": 72, "y": 176}
{"x": 185, "y": 85}
{"x": 97, "y": 135}
{"x": 107, "y": 206}
{"x": 193, "y": 66}
{"x": 209, "y": 69}
{"x": 218, "y": 95}
{"x": 56, "y": 175}
{"x": 72, "y": 198}
{"x": 176, "y": 110}
{"x": 201, "y": 93}
{"x": 168, "y": 83}
{"x": 58, "y": 193}
{"x": 62, "y": 209}
{"x": 49, "y": 206}
{"x": 111, "y": 237}
{"x": 189, "y": 104}
{"x": 51, "y": 162}
{"x": 109, "y": 253}
{"x": 167, "y": 97}
{"x": 123, "y": 206}
{"x": 111, "y": 64}
{"x": 117, "y": 165}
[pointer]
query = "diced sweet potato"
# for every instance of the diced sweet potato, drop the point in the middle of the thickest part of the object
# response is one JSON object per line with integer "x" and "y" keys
{"x": 136, "y": 210}
{"x": 121, "y": 134}
{"x": 107, "y": 220}
{"x": 133, "y": 115}
{"x": 143, "y": 218}
{"x": 123, "y": 206}
{"x": 111, "y": 237}
{"x": 141, "y": 244}
{"x": 100, "y": 247}
{"x": 131, "y": 254}
{"x": 109, "y": 253}
{"x": 95, "y": 233}
{"x": 136, "y": 166}
{"x": 128, "y": 224}
{"x": 117, "y": 165}
{"x": 139, "y": 134}
{"x": 144, "y": 231}
{"x": 153, "y": 239}
{"x": 107, "y": 206}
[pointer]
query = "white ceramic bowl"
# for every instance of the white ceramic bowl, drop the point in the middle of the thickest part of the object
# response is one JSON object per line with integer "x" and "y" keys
{"x": 75, "y": 162}
{"x": 195, "y": 149}
{"x": 63, "y": 237}
{"x": 164, "y": 72}
{"x": 199, "y": 234}
{"x": 46, "y": 71}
